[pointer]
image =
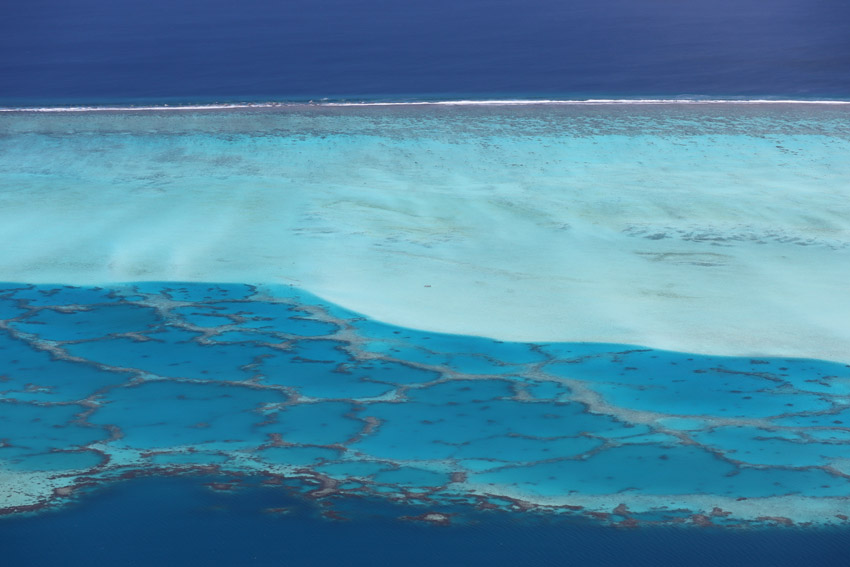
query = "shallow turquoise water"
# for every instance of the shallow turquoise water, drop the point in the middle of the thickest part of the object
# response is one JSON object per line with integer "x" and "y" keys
{"x": 709, "y": 228}
{"x": 634, "y": 314}
{"x": 302, "y": 392}
{"x": 597, "y": 243}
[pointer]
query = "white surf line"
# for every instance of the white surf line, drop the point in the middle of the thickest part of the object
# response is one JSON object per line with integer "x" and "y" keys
{"x": 222, "y": 106}
{"x": 497, "y": 102}
{"x": 585, "y": 102}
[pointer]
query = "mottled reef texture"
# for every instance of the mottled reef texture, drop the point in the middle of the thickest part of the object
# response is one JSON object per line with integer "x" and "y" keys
{"x": 103, "y": 384}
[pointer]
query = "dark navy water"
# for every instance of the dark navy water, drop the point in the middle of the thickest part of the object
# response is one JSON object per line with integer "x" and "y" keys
{"x": 53, "y": 51}
{"x": 179, "y": 521}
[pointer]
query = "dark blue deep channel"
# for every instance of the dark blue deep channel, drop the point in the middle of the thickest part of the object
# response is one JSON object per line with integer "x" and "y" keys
{"x": 181, "y": 521}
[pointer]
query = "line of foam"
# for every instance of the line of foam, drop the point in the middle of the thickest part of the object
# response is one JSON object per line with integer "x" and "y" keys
{"x": 600, "y": 101}
{"x": 505, "y": 102}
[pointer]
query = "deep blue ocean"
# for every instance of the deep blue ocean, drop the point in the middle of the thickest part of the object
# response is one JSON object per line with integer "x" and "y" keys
{"x": 178, "y": 521}
{"x": 183, "y": 50}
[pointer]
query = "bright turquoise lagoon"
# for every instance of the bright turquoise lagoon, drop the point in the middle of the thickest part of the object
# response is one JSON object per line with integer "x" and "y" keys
{"x": 110, "y": 382}
{"x": 625, "y": 313}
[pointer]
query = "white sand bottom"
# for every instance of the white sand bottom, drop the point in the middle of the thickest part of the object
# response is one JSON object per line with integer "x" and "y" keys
{"x": 665, "y": 230}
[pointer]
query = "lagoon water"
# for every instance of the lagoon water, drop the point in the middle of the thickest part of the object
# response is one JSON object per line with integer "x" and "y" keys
{"x": 588, "y": 317}
{"x": 264, "y": 413}
{"x": 710, "y": 228}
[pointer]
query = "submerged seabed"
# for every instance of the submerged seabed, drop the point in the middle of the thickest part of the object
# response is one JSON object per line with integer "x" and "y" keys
{"x": 99, "y": 384}
{"x": 718, "y": 228}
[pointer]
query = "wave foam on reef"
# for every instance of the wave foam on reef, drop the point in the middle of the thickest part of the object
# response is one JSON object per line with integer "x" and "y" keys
{"x": 460, "y": 102}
